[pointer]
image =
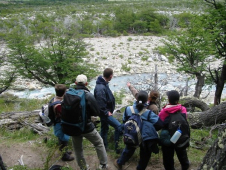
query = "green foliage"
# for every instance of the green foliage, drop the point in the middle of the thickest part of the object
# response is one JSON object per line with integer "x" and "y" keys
{"x": 119, "y": 96}
{"x": 144, "y": 58}
{"x": 10, "y": 103}
{"x": 184, "y": 19}
{"x": 190, "y": 48}
{"x": 125, "y": 33}
{"x": 58, "y": 60}
{"x": 20, "y": 167}
{"x": 129, "y": 39}
{"x": 22, "y": 135}
{"x": 104, "y": 58}
{"x": 125, "y": 67}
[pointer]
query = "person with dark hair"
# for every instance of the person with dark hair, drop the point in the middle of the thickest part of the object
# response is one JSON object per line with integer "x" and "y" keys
{"x": 152, "y": 98}
{"x": 106, "y": 102}
{"x": 150, "y": 124}
{"x": 168, "y": 148}
{"x": 90, "y": 132}
{"x": 63, "y": 139}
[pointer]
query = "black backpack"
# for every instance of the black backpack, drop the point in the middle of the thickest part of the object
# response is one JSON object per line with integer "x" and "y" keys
{"x": 47, "y": 113}
{"x": 178, "y": 121}
{"x": 73, "y": 116}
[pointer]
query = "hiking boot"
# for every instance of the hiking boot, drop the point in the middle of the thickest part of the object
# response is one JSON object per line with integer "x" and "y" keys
{"x": 118, "y": 151}
{"x": 105, "y": 166}
{"x": 119, "y": 167}
{"x": 69, "y": 152}
{"x": 67, "y": 157}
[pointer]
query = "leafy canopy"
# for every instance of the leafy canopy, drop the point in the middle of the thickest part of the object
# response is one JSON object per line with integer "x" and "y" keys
{"x": 45, "y": 50}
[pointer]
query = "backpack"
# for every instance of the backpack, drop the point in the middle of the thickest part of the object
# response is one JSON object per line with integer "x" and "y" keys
{"x": 132, "y": 129}
{"x": 47, "y": 114}
{"x": 73, "y": 117}
{"x": 178, "y": 121}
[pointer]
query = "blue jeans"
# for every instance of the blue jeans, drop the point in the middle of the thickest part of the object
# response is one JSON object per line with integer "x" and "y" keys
{"x": 58, "y": 133}
{"x": 105, "y": 122}
{"x": 128, "y": 152}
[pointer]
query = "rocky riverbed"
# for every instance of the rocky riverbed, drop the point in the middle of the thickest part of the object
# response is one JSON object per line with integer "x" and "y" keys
{"x": 120, "y": 53}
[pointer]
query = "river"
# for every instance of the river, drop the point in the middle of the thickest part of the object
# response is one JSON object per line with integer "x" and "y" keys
{"x": 166, "y": 82}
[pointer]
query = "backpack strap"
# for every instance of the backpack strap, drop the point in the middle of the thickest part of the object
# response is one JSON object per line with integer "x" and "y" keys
{"x": 132, "y": 109}
{"x": 140, "y": 113}
{"x": 54, "y": 103}
{"x": 51, "y": 100}
{"x": 149, "y": 113}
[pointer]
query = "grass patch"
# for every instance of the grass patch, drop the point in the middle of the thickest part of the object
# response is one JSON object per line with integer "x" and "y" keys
{"x": 22, "y": 135}
{"x": 10, "y": 103}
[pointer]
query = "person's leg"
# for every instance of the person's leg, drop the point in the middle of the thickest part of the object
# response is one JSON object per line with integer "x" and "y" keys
{"x": 145, "y": 155}
{"x": 168, "y": 161}
{"x": 97, "y": 141}
{"x": 127, "y": 153}
{"x": 118, "y": 130}
{"x": 63, "y": 142}
{"x": 104, "y": 130}
{"x": 78, "y": 149}
{"x": 182, "y": 157}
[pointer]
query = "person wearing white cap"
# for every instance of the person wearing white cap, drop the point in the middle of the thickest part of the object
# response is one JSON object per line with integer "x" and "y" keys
{"x": 90, "y": 132}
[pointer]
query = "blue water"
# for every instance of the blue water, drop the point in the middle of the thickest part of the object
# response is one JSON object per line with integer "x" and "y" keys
{"x": 119, "y": 83}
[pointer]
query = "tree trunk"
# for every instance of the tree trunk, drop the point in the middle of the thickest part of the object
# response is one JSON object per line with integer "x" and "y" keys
{"x": 156, "y": 78}
{"x": 220, "y": 85}
{"x": 199, "y": 85}
{"x": 215, "y": 115}
{"x": 194, "y": 102}
{"x": 215, "y": 158}
{"x": 186, "y": 88}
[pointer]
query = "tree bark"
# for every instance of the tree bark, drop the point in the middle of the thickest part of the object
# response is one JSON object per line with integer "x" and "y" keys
{"x": 199, "y": 85}
{"x": 194, "y": 102}
{"x": 215, "y": 115}
{"x": 156, "y": 78}
{"x": 215, "y": 158}
{"x": 220, "y": 85}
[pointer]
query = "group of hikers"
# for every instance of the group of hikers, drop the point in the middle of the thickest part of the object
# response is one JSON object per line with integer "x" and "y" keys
{"x": 102, "y": 104}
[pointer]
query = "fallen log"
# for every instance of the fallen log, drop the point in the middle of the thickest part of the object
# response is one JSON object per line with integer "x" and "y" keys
{"x": 191, "y": 103}
{"x": 18, "y": 120}
{"x": 213, "y": 116}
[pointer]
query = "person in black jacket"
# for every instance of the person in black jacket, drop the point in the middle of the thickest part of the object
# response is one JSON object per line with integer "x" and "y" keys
{"x": 90, "y": 132}
{"x": 106, "y": 102}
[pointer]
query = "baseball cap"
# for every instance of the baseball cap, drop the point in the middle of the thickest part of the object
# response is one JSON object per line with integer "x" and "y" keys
{"x": 81, "y": 79}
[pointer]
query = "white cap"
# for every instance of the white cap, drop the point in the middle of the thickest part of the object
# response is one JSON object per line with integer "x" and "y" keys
{"x": 81, "y": 79}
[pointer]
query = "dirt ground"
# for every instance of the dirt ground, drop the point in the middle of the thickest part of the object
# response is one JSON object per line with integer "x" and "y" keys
{"x": 33, "y": 154}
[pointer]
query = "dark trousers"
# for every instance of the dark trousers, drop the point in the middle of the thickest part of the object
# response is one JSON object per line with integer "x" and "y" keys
{"x": 105, "y": 122}
{"x": 127, "y": 153}
{"x": 168, "y": 154}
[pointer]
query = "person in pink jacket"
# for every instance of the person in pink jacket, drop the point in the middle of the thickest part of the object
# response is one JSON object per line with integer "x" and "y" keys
{"x": 168, "y": 150}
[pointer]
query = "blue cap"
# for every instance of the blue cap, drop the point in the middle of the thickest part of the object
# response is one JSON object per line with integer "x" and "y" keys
{"x": 179, "y": 130}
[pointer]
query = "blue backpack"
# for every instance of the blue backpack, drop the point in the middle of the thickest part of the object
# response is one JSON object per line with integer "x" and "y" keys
{"x": 73, "y": 116}
{"x": 132, "y": 129}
